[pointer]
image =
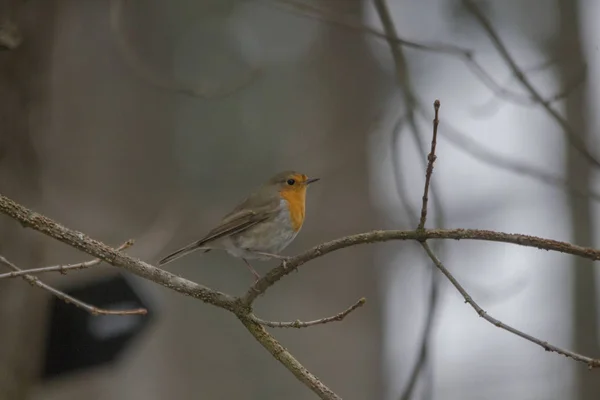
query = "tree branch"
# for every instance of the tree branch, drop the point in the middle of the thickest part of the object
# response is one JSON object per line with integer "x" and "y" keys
{"x": 591, "y": 362}
{"x": 430, "y": 160}
{"x": 80, "y": 241}
{"x": 284, "y": 357}
{"x": 465, "y": 55}
{"x": 412, "y": 105}
{"x": 300, "y": 324}
{"x": 242, "y": 307}
{"x": 34, "y": 281}
{"x": 268, "y": 280}
{"x": 62, "y": 268}
{"x": 574, "y": 139}
{"x": 480, "y": 152}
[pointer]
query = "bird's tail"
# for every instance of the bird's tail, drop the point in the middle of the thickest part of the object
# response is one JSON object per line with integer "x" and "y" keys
{"x": 190, "y": 248}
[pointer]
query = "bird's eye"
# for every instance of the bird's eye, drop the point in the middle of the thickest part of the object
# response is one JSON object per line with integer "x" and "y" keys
{"x": 291, "y": 182}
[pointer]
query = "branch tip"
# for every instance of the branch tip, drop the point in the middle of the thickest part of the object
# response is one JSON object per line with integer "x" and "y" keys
{"x": 300, "y": 324}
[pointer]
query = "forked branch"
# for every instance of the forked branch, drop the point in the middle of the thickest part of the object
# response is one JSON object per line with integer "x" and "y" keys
{"x": 35, "y": 281}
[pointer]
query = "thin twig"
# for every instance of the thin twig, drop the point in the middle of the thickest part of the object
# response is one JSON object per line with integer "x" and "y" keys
{"x": 480, "y": 152}
{"x": 591, "y": 362}
{"x": 412, "y": 105}
{"x": 34, "y": 281}
{"x": 434, "y": 283}
{"x": 430, "y": 160}
{"x": 465, "y": 55}
{"x": 62, "y": 268}
{"x": 300, "y": 324}
{"x": 574, "y": 139}
{"x": 575, "y": 82}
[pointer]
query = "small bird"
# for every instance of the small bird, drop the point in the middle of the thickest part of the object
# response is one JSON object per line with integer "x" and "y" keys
{"x": 262, "y": 225}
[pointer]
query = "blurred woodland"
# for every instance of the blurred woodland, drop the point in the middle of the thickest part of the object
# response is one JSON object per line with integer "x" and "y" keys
{"x": 150, "y": 120}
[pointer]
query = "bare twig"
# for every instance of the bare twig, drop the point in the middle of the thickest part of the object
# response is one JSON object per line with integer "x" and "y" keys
{"x": 62, "y": 268}
{"x": 434, "y": 283}
{"x": 412, "y": 105}
{"x": 468, "y": 299}
{"x": 465, "y": 55}
{"x": 480, "y": 152}
{"x": 430, "y": 160}
{"x": 574, "y": 139}
{"x": 34, "y": 281}
{"x": 591, "y": 362}
{"x": 574, "y": 83}
{"x": 301, "y": 324}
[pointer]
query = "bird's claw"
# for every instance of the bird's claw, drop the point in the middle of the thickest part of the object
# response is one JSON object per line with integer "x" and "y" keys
{"x": 284, "y": 261}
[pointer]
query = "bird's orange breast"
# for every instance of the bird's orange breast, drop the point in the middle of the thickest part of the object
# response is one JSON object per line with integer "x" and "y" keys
{"x": 296, "y": 200}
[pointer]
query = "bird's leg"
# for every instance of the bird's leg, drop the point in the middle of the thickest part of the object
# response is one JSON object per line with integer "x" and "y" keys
{"x": 271, "y": 255}
{"x": 256, "y": 275}
{"x": 276, "y": 256}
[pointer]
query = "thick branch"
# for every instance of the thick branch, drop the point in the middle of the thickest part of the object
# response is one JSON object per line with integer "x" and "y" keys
{"x": 78, "y": 240}
{"x": 263, "y": 284}
{"x": 284, "y": 357}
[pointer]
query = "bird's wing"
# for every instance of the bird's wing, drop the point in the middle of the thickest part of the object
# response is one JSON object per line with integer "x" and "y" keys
{"x": 241, "y": 219}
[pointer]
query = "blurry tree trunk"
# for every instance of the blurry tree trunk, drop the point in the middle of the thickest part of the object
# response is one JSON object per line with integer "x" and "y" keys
{"x": 23, "y": 80}
{"x": 585, "y": 332}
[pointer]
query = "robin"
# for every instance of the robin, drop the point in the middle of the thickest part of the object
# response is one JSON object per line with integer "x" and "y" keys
{"x": 262, "y": 225}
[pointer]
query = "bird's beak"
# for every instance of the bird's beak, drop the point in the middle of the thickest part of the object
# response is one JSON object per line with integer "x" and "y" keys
{"x": 312, "y": 180}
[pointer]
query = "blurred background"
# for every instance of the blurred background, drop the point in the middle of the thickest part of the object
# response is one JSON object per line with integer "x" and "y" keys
{"x": 150, "y": 120}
